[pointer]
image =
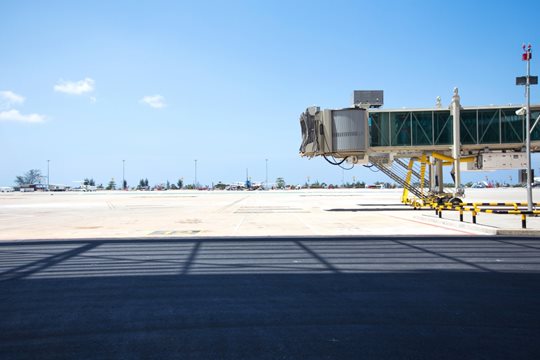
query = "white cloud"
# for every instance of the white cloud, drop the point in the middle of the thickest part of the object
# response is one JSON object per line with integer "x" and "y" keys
{"x": 15, "y": 115}
{"x": 155, "y": 101}
{"x": 75, "y": 87}
{"x": 11, "y": 98}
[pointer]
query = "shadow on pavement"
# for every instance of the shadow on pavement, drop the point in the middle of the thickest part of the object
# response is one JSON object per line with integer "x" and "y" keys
{"x": 369, "y": 297}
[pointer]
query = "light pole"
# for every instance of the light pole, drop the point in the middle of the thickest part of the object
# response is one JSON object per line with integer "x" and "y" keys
{"x": 266, "y": 174}
{"x": 527, "y": 81}
{"x": 123, "y": 174}
{"x": 195, "y": 182}
{"x": 48, "y": 181}
{"x": 527, "y": 57}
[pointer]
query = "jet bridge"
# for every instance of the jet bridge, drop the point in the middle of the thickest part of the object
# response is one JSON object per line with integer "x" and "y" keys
{"x": 411, "y": 146}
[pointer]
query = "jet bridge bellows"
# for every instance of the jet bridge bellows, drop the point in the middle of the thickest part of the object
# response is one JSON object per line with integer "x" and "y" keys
{"x": 342, "y": 131}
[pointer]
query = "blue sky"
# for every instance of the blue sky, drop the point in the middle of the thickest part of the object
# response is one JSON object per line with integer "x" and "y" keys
{"x": 161, "y": 83}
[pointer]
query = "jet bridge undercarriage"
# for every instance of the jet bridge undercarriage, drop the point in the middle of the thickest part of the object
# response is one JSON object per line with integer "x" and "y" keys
{"x": 421, "y": 177}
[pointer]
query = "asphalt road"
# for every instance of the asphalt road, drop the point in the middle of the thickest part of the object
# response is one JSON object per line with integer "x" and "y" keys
{"x": 271, "y": 298}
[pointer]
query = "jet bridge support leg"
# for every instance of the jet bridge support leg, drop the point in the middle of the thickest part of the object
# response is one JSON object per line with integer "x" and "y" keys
{"x": 440, "y": 182}
{"x": 456, "y": 148}
{"x": 423, "y": 162}
{"x": 431, "y": 177}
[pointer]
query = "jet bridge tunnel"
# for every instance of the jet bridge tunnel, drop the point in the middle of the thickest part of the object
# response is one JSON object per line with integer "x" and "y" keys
{"x": 488, "y": 138}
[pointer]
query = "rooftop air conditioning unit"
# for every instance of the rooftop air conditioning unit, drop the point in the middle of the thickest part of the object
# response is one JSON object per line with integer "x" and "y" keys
{"x": 368, "y": 98}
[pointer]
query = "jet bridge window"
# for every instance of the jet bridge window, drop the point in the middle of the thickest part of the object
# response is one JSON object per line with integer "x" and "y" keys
{"x": 512, "y": 127}
{"x": 422, "y": 127}
{"x": 536, "y": 132}
{"x": 468, "y": 130}
{"x": 442, "y": 126}
{"x": 489, "y": 126}
{"x": 400, "y": 124}
{"x": 379, "y": 129}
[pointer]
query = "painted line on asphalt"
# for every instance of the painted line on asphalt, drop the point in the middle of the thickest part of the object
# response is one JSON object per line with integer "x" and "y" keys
{"x": 437, "y": 226}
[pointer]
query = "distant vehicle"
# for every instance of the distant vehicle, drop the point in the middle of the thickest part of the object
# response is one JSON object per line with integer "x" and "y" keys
{"x": 6, "y": 189}
{"x": 32, "y": 187}
{"x": 80, "y": 189}
{"x": 236, "y": 186}
{"x": 479, "y": 185}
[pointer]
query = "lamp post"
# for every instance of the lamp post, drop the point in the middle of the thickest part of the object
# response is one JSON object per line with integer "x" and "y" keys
{"x": 266, "y": 174}
{"x": 527, "y": 81}
{"x": 528, "y": 126}
{"x": 123, "y": 174}
{"x": 195, "y": 182}
{"x": 526, "y": 56}
{"x": 48, "y": 181}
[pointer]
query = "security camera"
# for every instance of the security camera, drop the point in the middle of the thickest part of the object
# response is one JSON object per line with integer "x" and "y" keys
{"x": 521, "y": 111}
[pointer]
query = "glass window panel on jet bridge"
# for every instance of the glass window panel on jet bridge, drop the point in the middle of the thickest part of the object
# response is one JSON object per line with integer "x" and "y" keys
{"x": 489, "y": 126}
{"x": 512, "y": 126}
{"x": 468, "y": 127}
{"x": 442, "y": 127}
{"x": 422, "y": 128}
{"x": 535, "y": 135}
{"x": 379, "y": 129}
{"x": 400, "y": 125}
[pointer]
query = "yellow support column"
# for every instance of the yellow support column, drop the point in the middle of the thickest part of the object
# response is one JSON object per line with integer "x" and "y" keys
{"x": 405, "y": 196}
{"x": 423, "y": 162}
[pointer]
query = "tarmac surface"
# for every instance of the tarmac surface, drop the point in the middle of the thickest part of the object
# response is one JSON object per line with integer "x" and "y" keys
{"x": 229, "y": 213}
{"x": 281, "y": 298}
{"x": 284, "y": 275}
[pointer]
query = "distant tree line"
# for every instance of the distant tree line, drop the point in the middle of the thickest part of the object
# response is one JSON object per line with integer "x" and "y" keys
{"x": 31, "y": 177}
{"x": 34, "y": 176}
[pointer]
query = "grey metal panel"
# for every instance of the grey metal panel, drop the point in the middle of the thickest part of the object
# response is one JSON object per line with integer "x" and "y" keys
{"x": 325, "y": 136}
{"x": 349, "y": 130}
{"x": 371, "y": 97}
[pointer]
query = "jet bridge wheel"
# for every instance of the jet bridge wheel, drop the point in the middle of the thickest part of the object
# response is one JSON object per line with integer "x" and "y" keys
{"x": 442, "y": 199}
{"x": 455, "y": 201}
